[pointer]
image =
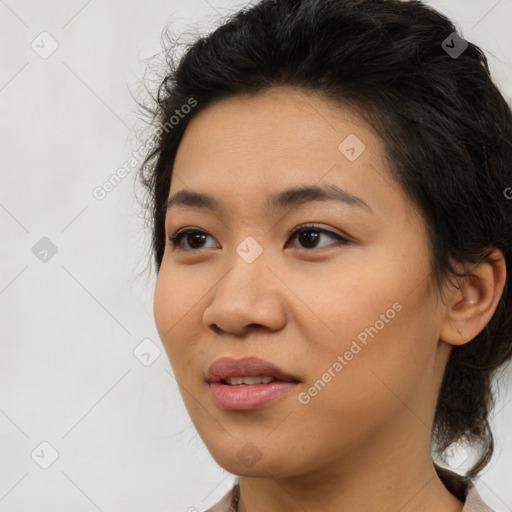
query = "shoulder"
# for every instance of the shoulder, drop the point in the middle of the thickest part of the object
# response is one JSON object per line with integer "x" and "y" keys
{"x": 464, "y": 489}
{"x": 474, "y": 502}
{"x": 229, "y": 502}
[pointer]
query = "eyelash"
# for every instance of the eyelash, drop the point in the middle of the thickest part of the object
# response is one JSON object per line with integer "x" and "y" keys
{"x": 182, "y": 233}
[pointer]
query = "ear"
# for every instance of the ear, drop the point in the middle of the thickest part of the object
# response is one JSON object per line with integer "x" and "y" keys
{"x": 470, "y": 307}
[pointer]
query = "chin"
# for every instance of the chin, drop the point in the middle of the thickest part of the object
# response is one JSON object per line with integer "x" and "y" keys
{"x": 248, "y": 460}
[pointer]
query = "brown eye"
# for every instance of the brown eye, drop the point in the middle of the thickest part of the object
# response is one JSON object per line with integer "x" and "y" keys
{"x": 309, "y": 236}
{"x": 195, "y": 238}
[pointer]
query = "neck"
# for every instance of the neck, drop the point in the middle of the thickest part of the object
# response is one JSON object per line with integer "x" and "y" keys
{"x": 394, "y": 473}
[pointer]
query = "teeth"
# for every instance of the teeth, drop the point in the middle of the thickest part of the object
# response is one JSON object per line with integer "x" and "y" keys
{"x": 237, "y": 381}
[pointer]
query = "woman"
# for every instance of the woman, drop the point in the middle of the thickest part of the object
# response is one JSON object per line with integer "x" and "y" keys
{"x": 331, "y": 233}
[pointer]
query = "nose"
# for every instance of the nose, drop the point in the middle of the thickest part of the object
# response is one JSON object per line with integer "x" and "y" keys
{"x": 249, "y": 295}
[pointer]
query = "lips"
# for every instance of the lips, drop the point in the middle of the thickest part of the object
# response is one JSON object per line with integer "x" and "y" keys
{"x": 247, "y": 384}
{"x": 227, "y": 368}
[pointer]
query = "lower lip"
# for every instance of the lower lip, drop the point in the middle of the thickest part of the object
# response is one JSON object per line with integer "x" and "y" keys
{"x": 248, "y": 397}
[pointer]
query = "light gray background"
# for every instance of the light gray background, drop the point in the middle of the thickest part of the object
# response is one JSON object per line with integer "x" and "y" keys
{"x": 70, "y": 324}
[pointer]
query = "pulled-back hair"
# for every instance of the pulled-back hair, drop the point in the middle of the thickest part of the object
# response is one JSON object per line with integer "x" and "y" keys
{"x": 446, "y": 127}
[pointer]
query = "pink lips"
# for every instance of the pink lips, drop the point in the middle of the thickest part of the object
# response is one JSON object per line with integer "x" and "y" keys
{"x": 246, "y": 397}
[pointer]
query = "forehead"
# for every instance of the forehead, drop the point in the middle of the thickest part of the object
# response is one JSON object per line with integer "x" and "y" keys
{"x": 249, "y": 147}
{"x": 281, "y": 118}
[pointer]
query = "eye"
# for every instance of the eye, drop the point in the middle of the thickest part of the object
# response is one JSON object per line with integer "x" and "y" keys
{"x": 309, "y": 235}
{"x": 193, "y": 236}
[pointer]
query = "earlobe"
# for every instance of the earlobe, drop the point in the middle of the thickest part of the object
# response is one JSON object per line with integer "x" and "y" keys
{"x": 473, "y": 304}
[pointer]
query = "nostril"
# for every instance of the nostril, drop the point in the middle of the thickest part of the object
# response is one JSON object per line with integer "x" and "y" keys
{"x": 216, "y": 329}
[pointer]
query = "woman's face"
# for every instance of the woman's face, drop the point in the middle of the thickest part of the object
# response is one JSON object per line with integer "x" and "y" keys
{"x": 353, "y": 323}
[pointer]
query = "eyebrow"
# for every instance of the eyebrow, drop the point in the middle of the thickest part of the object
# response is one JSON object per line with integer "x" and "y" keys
{"x": 286, "y": 199}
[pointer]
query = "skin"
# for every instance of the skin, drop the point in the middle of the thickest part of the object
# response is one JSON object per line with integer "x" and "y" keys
{"x": 364, "y": 441}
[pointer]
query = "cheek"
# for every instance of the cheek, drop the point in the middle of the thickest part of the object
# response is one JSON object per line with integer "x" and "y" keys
{"x": 175, "y": 308}
{"x": 356, "y": 387}
{"x": 163, "y": 306}
{"x": 372, "y": 332}
{"x": 356, "y": 299}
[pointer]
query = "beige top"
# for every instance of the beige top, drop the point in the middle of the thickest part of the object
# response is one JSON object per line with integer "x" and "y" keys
{"x": 458, "y": 485}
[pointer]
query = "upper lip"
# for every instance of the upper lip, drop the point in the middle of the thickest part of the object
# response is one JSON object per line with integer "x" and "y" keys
{"x": 227, "y": 367}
